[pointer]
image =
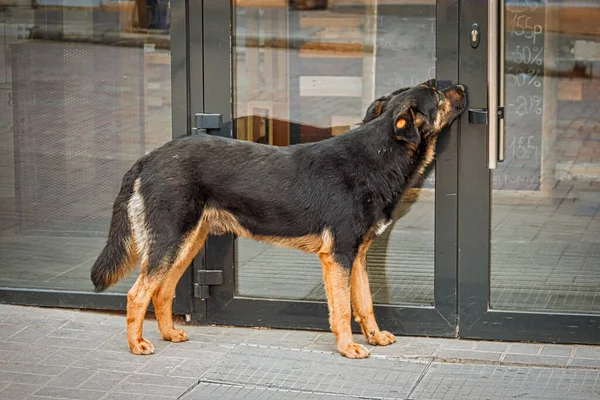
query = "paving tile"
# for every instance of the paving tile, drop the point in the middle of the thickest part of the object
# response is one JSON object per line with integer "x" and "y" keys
{"x": 587, "y": 352}
{"x": 320, "y": 372}
{"x": 29, "y": 368}
{"x": 31, "y": 334}
{"x": 557, "y": 350}
{"x": 30, "y": 379}
{"x": 524, "y": 348}
{"x": 71, "y": 377}
{"x": 492, "y": 346}
{"x": 69, "y": 343}
{"x": 7, "y": 330}
{"x": 149, "y": 389}
{"x": 451, "y": 354}
{"x": 31, "y": 353}
{"x": 102, "y": 327}
{"x": 65, "y": 393}
{"x": 124, "y": 396}
{"x": 214, "y": 391}
{"x": 327, "y": 347}
{"x": 104, "y": 380}
{"x": 160, "y": 380}
{"x": 586, "y": 362}
{"x": 161, "y": 365}
{"x": 476, "y": 382}
{"x": 65, "y": 357}
{"x": 196, "y": 368}
{"x": 81, "y": 334}
{"x": 411, "y": 349}
{"x": 458, "y": 344}
{"x": 535, "y": 359}
{"x": 7, "y": 355}
{"x": 112, "y": 360}
{"x": 18, "y": 391}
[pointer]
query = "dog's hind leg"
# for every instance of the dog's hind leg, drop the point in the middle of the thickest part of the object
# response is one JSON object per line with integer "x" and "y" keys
{"x": 163, "y": 296}
{"x": 363, "y": 303}
{"x": 138, "y": 298}
{"x": 337, "y": 288}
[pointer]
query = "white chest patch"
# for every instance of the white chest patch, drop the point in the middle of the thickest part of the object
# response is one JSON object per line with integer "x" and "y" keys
{"x": 382, "y": 226}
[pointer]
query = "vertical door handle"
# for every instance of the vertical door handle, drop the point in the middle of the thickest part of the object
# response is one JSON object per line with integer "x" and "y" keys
{"x": 495, "y": 82}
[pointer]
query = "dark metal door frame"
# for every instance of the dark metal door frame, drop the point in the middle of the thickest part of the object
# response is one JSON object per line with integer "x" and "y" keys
{"x": 211, "y": 80}
{"x": 477, "y": 319}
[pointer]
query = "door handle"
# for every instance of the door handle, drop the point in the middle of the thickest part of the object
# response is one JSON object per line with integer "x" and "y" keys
{"x": 495, "y": 82}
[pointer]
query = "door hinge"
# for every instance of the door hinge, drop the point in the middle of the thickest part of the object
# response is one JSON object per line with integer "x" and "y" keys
{"x": 204, "y": 279}
{"x": 206, "y": 122}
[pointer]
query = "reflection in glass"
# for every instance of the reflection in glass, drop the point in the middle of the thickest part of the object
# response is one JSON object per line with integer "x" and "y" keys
{"x": 85, "y": 91}
{"x": 304, "y": 74}
{"x": 546, "y": 198}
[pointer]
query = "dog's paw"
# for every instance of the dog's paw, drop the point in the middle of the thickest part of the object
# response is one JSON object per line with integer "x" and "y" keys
{"x": 382, "y": 338}
{"x": 354, "y": 350}
{"x": 176, "y": 336}
{"x": 141, "y": 347}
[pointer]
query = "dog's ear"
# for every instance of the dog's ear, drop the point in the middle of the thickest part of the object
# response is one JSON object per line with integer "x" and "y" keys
{"x": 405, "y": 128}
{"x": 375, "y": 108}
{"x": 430, "y": 83}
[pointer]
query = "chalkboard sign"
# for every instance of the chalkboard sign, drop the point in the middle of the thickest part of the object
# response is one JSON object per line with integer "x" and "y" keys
{"x": 524, "y": 74}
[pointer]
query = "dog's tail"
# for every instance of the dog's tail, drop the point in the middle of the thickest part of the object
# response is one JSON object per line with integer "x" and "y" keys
{"x": 120, "y": 254}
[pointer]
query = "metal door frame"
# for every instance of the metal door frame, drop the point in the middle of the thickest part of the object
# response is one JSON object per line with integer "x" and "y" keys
{"x": 477, "y": 319}
{"x": 210, "y": 52}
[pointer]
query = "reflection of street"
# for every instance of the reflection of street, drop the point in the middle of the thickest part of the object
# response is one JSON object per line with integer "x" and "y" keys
{"x": 81, "y": 115}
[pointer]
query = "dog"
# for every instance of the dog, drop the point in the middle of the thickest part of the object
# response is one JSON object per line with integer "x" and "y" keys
{"x": 331, "y": 198}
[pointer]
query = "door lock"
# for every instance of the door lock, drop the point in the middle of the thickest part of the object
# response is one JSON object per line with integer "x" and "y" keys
{"x": 475, "y": 36}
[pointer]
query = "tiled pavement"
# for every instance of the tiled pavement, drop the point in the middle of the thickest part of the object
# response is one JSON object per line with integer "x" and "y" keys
{"x": 68, "y": 354}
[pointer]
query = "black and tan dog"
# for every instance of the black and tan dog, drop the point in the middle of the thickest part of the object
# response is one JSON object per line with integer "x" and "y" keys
{"x": 331, "y": 198}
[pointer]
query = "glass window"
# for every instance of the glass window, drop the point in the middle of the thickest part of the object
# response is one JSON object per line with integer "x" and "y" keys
{"x": 546, "y": 198}
{"x": 306, "y": 71}
{"x": 85, "y": 91}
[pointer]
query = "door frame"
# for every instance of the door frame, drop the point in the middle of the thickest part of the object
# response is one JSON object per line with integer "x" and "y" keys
{"x": 212, "y": 92}
{"x": 477, "y": 320}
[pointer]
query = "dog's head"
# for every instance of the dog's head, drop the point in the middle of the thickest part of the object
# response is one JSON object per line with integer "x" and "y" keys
{"x": 418, "y": 112}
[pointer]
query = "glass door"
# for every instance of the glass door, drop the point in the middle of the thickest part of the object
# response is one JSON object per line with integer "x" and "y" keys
{"x": 530, "y": 188}
{"x": 306, "y": 71}
{"x": 85, "y": 91}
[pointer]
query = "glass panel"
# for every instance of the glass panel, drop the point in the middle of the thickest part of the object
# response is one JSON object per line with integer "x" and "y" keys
{"x": 85, "y": 89}
{"x": 546, "y": 198}
{"x": 307, "y": 71}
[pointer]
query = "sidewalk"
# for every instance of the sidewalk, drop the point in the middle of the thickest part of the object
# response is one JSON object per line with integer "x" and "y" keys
{"x": 55, "y": 353}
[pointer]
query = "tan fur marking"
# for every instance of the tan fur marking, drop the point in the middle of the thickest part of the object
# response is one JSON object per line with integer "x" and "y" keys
{"x": 441, "y": 118}
{"x": 163, "y": 296}
{"x": 160, "y": 287}
{"x": 220, "y": 222}
{"x": 337, "y": 287}
{"x": 138, "y": 298}
{"x": 379, "y": 108}
{"x": 362, "y": 301}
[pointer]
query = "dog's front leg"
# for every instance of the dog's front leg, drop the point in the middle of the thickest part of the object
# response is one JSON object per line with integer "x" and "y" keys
{"x": 337, "y": 287}
{"x": 363, "y": 303}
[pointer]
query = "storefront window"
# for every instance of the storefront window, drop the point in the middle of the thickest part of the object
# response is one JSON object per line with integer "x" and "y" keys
{"x": 85, "y": 91}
